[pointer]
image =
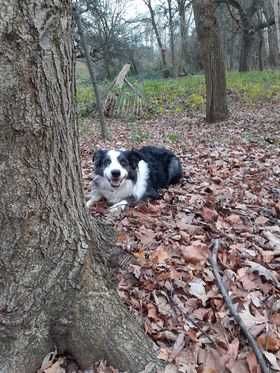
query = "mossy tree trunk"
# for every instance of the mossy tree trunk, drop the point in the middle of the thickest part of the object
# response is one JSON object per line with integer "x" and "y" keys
{"x": 212, "y": 58}
{"x": 54, "y": 283}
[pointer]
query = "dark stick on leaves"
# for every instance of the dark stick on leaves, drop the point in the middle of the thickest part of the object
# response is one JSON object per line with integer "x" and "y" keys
{"x": 252, "y": 342}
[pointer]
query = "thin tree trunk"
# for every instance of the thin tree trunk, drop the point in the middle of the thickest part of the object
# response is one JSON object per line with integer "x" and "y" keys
{"x": 212, "y": 56}
{"x": 104, "y": 132}
{"x": 260, "y": 51}
{"x": 54, "y": 284}
{"x": 246, "y": 44}
{"x": 272, "y": 56}
{"x": 156, "y": 31}
{"x": 107, "y": 64}
{"x": 183, "y": 33}
{"x": 171, "y": 35}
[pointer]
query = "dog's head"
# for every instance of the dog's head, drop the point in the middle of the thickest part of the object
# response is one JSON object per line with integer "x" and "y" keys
{"x": 116, "y": 165}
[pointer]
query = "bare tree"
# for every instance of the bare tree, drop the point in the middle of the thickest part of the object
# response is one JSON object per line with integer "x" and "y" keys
{"x": 249, "y": 23}
{"x": 212, "y": 56}
{"x": 55, "y": 287}
{"x": 106, "y": 32}
{"x": 182, "y": 6}
{"x": 171, "y": 33}
{"x": 156, "y": 31}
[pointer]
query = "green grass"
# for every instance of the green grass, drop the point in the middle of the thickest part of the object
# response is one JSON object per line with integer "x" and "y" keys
{"x": 255, "y": 86}
{"x": 177, "y": 95}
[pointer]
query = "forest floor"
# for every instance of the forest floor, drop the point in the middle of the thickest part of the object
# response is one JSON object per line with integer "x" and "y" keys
{"x": 231, "y": 192}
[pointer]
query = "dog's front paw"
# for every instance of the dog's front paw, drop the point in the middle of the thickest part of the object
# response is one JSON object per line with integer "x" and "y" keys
{"x": 117, "y": 208}
{"x": 89, "y": 203}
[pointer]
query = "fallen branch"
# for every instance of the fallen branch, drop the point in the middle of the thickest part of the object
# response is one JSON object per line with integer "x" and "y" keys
{"x": 252, "y": 342}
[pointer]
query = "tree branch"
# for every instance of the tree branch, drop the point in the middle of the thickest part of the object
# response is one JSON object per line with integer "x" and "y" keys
{"x": 263, "y": 25}
{"x": 213, "y": 261}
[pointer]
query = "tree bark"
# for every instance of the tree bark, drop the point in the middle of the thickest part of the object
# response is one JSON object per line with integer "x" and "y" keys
{"x": 183, "y": 33}
{"x": 248, "y": 28}
{"x": 276, "y": 10}
{"x": 156, "y": 31}
{"x": 246, "y": 44}
{"x": 54, "y": 282}
{"x": 212, "y": 56}
{"x": 272, "y": 56}
{"x": 84, "y": 44}
{"x": 171, "y": 35}
{"x": 260, "y": 51}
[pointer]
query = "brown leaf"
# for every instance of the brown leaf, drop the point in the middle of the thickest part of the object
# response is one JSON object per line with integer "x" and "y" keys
{"x": 269, "y": 342}
{"x": 145, "y": 235}
{"x": 214, "y": 360}
{"x": 163, "y": 354}
{"x": 195, "y": 253}
{"x": 255, "y": 324}
{"x": 275, "y": 319}
{"x": 160, "y": 255}
{"x": 261, "y": 220}
{"x": 232, "y": 352}
{"x": 152, "y": 312}
{"x": 162, "y": 304}
{"x": 239, "y": 366}
{"x": 252, "y": 363}
{"x": 234, "y": 219}
{"x": 209, "y": 215}
{"x": 268, "y": 274}
{"x": 274, "y": 241}
{"x": 178, "y": 346}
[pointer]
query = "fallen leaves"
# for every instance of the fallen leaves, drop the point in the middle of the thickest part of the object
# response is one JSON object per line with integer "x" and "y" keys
{"x": 197, "y": 288}
{"x": 269, "y": 342}
{"x": 231, "y": 190}
{"x": 196, "y": 253}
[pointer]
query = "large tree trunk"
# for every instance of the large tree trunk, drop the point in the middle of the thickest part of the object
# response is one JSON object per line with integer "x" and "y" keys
{"x": 276, "y": 10}
{"x": 213, "y": 61}
{"x": 54, "y": 287}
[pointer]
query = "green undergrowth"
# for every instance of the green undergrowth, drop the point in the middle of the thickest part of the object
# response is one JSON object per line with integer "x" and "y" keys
{"x": 255, "y": 86}
{"x": 178, "y": 95}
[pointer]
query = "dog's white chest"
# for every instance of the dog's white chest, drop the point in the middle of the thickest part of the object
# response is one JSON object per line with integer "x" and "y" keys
{"x": 118, "y": 194}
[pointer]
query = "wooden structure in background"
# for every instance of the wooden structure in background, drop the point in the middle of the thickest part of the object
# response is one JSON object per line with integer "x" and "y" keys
{"x": 123, "y": 99}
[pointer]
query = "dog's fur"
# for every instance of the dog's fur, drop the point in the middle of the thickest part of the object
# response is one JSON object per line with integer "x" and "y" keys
{"x": 123, "y": 176}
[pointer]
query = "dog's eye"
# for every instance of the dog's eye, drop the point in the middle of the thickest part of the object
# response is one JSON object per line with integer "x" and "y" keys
{"x": 106, "y": 162}
{"x": 123, "y": 162}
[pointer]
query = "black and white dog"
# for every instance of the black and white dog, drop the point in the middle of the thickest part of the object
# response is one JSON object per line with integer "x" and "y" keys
{"x": 124, "y": 176}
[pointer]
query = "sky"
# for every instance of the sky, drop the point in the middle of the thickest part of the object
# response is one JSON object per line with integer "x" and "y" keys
{"x": 136, "y": 7}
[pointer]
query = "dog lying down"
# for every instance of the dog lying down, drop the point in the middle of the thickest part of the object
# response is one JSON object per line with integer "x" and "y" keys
{"x": 125, "y": 177}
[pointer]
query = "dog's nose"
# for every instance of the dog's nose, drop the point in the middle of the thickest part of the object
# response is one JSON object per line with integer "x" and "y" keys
{"x": 116, "y": 173}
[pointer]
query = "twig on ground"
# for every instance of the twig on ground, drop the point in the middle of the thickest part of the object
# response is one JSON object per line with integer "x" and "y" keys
{"x": 252, "y": 342}
{"x": 179, "y": 307}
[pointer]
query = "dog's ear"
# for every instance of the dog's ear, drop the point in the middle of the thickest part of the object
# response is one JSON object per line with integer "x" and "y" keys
{"x": 98, "y": 156}
{"x": 134, "y": 157}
